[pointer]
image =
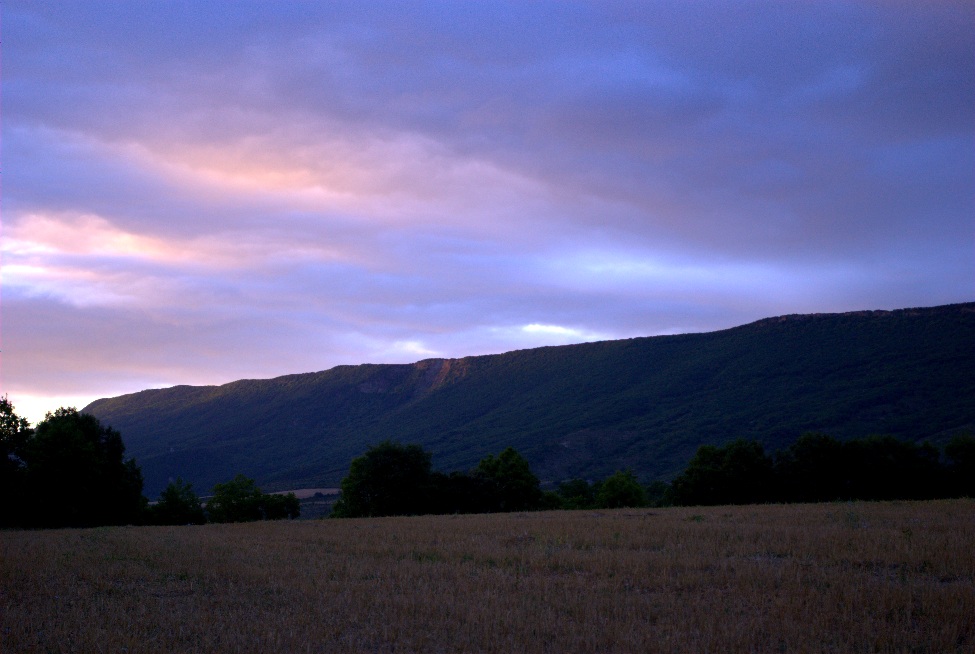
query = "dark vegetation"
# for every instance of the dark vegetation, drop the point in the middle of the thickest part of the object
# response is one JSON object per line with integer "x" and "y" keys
{"x": 615, "y": 412}
{"x": 392, "y": 479}
{"x": 68, "y": 472}
{"x": 71, "y": 471}
{"x": 178, "y": 505}
{"x": 579, "y": 411}
{"x": 819, "y": 468}
{"x": 240, "y": 500}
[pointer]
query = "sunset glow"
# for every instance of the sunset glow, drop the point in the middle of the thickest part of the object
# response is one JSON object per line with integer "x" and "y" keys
{"x": 196, "y": 193}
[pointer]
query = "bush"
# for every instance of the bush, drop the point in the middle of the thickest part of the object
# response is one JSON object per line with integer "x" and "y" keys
{"x": 240, "y": 500}
{"x": 577, "y": 494}
{"x": 621, "y": 490}
{"x": 177, "y": 505}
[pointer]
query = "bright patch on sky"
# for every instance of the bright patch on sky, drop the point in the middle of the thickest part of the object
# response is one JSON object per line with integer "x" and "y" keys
{"x": 35, "y": 407}
{"x": 86, "y": 260}
{"x": 546, "y": 333}
{"x": 411, "y": 348}
{"x": 623, "y": 268}
{"x": 84, "y": 234}
{"x": 72, "y": 286}
{"x": 558, "y": 330}
{"x": 345, "y": 186}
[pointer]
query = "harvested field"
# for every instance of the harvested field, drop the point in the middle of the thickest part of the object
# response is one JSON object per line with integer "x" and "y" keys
{"x": 863, "y": 577}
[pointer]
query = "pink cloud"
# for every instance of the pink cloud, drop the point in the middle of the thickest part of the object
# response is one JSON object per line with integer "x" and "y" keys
{"x": 191, "y": 197}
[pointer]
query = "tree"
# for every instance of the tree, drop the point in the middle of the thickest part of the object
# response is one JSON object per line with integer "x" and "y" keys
{"x": 960, "y": 452}
{"x": 457, "y": 492}
{"x": 738, "y": 473}
{"x": 577, "y": 494}
{"x": 509, "y": 481}
{"x": 621, "y": 490}
{"x": 812, "y": 469}
{"x": 388, "y": 479}
{"x": 659, "y": 493}
{"x": 177, "y": 505}
{"x": 280, "y": 506}
{"x": 237, "y": 500}
{"x": 240, "y": 500}
{"x": 886, "y": 468}
{"x": 77, "y": 475}
{"x": 14, "y": 434}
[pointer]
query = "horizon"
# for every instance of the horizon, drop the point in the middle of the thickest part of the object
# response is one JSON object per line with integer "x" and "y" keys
{"x": 369, "y": 363}
{"x": 200, "y": 193}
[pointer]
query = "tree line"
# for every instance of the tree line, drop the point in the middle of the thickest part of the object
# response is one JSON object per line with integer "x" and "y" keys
{"x": 71, "y": 471}
{"x": 820, "y": 468}
{"x": 394, "y": 479}
{"x": 815, "y": 468}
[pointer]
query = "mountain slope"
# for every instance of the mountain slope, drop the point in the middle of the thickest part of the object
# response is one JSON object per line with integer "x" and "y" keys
{"x": 576, "y": 410}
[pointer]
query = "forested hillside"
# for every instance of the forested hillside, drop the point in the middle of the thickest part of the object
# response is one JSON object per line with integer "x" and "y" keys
{"x": 573, "y": 411}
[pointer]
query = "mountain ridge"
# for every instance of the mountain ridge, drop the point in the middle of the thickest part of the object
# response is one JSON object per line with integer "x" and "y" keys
{"x": 574, "y": 410}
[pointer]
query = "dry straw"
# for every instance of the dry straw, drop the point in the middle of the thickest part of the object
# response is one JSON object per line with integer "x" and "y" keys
{"x": 864, "y": 577}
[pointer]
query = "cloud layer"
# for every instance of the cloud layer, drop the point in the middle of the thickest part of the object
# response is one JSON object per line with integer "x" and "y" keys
{"x": 197, "y": 192}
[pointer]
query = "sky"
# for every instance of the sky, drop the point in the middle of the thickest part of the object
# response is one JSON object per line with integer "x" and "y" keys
{"x": 199, "y": 192}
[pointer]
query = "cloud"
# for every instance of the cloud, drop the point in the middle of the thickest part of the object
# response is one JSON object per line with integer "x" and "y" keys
{"x": 199, "y": 192}
{"x": 560, "y": 333}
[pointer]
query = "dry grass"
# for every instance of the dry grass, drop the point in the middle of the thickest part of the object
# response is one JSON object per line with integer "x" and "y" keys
{"x": 885, "y": 577}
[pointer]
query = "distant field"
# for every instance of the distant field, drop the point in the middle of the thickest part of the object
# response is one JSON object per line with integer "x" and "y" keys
{"x": 863, "y": 577}
{"x": 307, "y": 493}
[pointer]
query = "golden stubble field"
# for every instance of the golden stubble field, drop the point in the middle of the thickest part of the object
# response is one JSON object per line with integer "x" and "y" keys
{"x": 862, "y": 577}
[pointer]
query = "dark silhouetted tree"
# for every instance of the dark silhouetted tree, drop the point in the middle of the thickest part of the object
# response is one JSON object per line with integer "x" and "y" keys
{"x": 621, "y": 490}
{"x": 812, "y": 469}
{"x": 960, "y": 452}
{"x": 458, "y": 492}
{"x": 886, "y": 468}
{"x": 237, "y": 500}
{"x": 177, "y": 505}
{"x": 509, "y": 482}
{"x": 14, "y": 435}
{"x": 659, "y": 493}
{"x": 389, "y": 479}
{"x": 738, "y": 473}
{"x": 577, "y": 494}
{"x": 280, "y": 506}
{"x": 77, "y": 475}
{"x": 240, "y": 500}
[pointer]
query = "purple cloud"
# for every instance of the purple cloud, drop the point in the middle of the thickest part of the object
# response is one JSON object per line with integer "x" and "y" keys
{"x": 196, "y": 192}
